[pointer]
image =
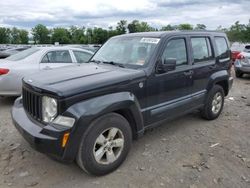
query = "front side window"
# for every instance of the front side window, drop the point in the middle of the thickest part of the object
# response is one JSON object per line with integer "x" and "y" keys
{"x": 222, "y": 46}
{"x": 201, "y": 47}
{"x": 131, "y": 51}
{"x": 82, "y": 57}
{"x": 61, "y": 56}
{"x": 176, "y": 48}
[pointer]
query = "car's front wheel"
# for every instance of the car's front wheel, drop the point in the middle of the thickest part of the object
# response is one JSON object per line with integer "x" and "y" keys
{"x": 105, "y": 145}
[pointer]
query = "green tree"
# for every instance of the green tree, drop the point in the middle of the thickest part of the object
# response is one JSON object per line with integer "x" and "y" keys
{"x": 136, "y": 26}
{"x": 41, "y": 35}
{"x": 121, "y": 27}
{"x": 99, "y": 35}
{"x": 185, "y": 26}
{"x": 60, "y": 35}
{"x": 15, "y": 36}
{"x": 200, "y": 27}
{"x": 168, "y": 28}
{"x": 24, "y": 36}
{"x": 4, "y": 35}
{"x": 77, "y": 35}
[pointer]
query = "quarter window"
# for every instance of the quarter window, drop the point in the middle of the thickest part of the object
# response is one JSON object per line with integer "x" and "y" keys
{"x": 62, "y": 56}
{"x": 82, "y": 57}
{"x": 176, "y": 48}
{"x": 222, "y": 47}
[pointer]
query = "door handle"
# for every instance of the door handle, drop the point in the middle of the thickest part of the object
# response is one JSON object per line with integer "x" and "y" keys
{"x": 188, "y": 73}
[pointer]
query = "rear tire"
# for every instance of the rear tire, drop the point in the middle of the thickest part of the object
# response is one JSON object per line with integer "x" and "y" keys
{"x": 105, "y": 145}
{"x": 214, "y": 103}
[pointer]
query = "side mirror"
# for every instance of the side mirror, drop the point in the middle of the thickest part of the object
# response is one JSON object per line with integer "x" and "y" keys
{"x": 166, "y": 65}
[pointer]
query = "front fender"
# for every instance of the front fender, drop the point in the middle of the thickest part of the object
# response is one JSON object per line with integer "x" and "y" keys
{"x": 88, "y": 110}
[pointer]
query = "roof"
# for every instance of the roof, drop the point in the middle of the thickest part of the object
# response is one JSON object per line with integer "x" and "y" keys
{"x": 63, "y": 48}
{"x": 160, "y": 34}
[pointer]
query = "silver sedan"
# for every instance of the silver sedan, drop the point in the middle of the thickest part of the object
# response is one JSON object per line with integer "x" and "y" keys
{"x": 33, "y": 60}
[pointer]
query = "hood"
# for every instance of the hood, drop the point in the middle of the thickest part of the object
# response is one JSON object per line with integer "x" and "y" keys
{"x": 73, "y": 80}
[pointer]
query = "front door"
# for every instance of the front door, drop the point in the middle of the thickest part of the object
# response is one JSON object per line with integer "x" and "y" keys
{"x": 169, "y": 94}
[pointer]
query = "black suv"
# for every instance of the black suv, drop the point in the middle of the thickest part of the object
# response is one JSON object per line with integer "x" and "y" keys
{"x": 91, "y": 112}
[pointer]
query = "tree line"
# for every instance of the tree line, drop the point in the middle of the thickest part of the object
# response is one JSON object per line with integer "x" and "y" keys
{"x": 81, "y": 35}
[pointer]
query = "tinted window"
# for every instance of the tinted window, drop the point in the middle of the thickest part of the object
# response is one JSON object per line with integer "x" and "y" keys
{"x": 82, "y": 57}
{"x": 176, "y": 48}
{"x": 23, "y": 54}
{"x": 201, "y": 49}
{"x": 222, "y": 46}
{"x": 57, "y": 57}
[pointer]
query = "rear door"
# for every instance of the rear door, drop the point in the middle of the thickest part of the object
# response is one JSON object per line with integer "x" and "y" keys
{"x": 203, "y": 65}
{"x": 55, "y": 59}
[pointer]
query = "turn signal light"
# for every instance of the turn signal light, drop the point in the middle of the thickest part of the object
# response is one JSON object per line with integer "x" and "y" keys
{"x": 65, "y": 139}
{"x": 4, "y": 71}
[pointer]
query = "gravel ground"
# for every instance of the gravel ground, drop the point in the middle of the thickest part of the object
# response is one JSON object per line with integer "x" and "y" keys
{"x": 188, "y": 152}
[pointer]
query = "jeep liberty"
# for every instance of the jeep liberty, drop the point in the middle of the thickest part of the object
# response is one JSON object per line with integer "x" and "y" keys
{"x": 90, "y": 113}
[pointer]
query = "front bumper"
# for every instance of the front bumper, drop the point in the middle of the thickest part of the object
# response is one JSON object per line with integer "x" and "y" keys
{"x": 44, "y": 138}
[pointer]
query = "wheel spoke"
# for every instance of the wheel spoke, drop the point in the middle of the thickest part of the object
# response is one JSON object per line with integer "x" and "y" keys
{"x": 99, "y": 153}
{"x": 112, "y": 133}
{"x": 101, "y": 139}
{"x": 118, "y": 142}
{"x": 110, "y": 156}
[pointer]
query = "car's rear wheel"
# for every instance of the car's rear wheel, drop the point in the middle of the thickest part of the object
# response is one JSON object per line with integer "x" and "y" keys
{"x": 214, "y": 103}
{"x": 105, "y": 144}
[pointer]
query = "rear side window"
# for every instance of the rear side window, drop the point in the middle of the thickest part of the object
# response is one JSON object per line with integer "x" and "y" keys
{"x": 176, "y": 48}
{"x": 222, "y": 47}
{"x": 61, "y": 56}
{"x": 82, "y": 57}
{"x": 201, "y": 49}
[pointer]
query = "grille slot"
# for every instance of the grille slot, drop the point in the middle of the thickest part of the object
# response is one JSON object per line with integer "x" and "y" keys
{"x": 32, "y": 103}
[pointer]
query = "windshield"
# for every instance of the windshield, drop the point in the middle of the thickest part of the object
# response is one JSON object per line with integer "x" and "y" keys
{"x": 127, "y": 50}
{"x": 22, "y": 55}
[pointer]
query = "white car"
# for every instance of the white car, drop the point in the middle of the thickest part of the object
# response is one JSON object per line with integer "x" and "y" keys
{"x": 33, "y": 60}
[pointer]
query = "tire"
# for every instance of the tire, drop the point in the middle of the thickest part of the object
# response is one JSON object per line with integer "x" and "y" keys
{"x": 209, "y": 112}
{"x": 88, "y": 157}
{"x": 238, "y": 74}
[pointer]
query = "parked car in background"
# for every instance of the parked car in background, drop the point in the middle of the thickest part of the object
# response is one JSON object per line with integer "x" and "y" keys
{"x": 12, "y": 51}
{"x": 242, "y": 62}
{"x": 36, "y": 59}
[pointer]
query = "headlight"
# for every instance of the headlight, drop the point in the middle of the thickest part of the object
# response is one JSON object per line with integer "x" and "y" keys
{"x": 49, "y": 109}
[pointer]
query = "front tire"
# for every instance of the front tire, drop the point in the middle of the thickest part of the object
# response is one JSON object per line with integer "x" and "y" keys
{"x": 105, "y": 145}
{"x": 214, "y": 103}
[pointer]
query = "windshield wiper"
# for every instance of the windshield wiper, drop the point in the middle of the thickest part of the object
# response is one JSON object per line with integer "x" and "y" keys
{"x": 113, "y": 63}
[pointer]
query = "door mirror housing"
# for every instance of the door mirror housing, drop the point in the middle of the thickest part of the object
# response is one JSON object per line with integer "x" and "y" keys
{"x": 166, "y": 65}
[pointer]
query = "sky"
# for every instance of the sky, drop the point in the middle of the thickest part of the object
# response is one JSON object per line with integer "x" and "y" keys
{"x": 105, "y": 13}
